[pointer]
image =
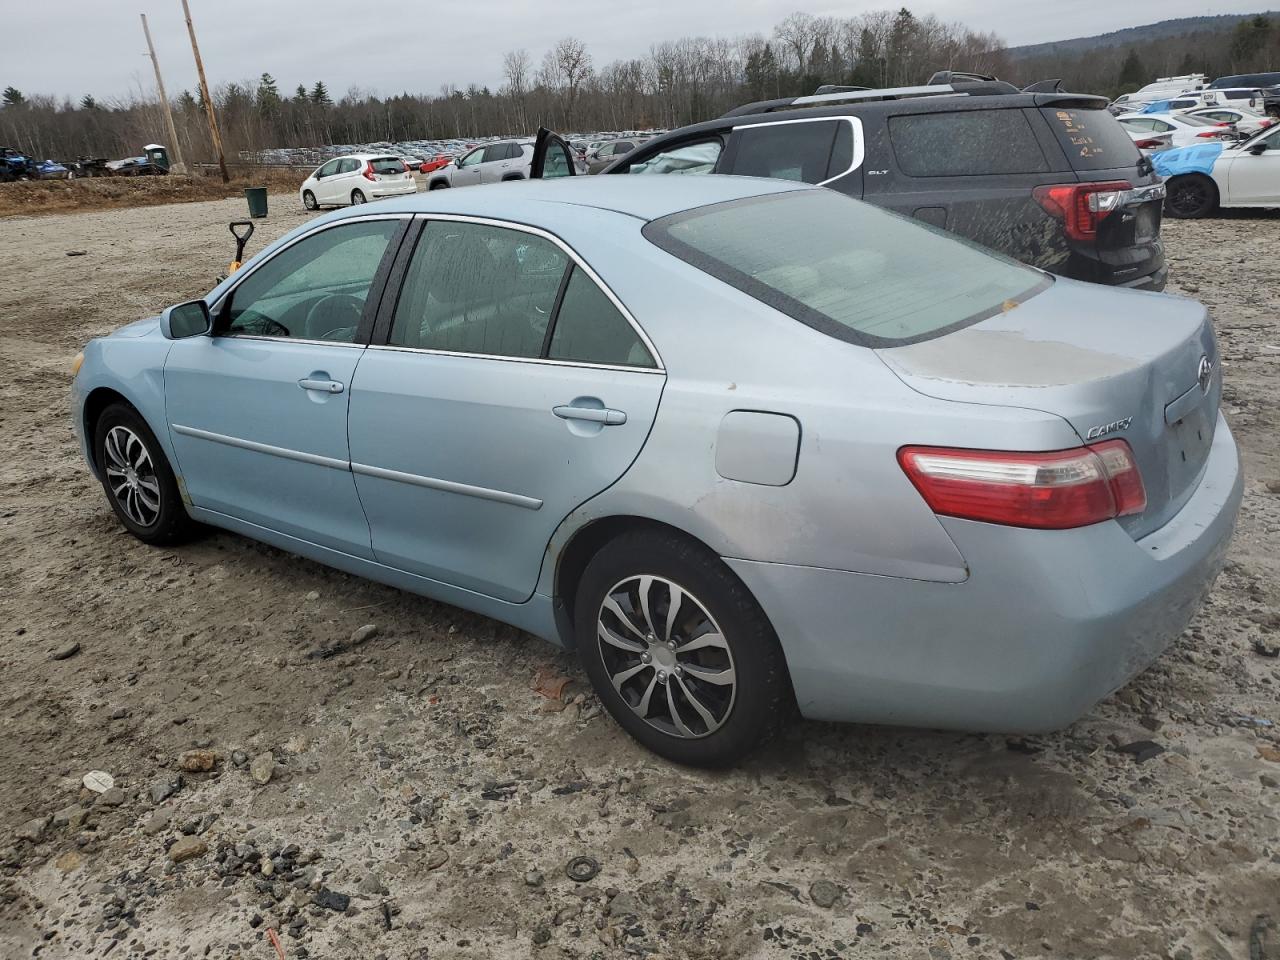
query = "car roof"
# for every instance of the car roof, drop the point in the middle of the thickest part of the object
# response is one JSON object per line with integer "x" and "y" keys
{"x": 548, "y": 202}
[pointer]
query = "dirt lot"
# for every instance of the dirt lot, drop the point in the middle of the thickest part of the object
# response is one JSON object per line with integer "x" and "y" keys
{"x": 424, "y": 799}
{"x": 97, "y": 193}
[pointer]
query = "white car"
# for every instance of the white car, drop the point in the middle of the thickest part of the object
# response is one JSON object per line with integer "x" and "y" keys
{"x": 496, "y": 162}
{"x": 1244, "y": 122}
{"x": 1149, "y": 141}
{"x": 356, "y": 178}
{"x": 1185, "y": 129}
{"x": 1161, "y": 89}
{"x": 1200, "y": 179}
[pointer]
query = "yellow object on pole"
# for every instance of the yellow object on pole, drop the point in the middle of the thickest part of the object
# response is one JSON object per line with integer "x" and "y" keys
{"x": 204, "y": 93}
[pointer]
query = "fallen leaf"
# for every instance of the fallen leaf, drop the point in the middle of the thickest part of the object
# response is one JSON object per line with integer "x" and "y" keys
{"x": 547, "y": 683}
{"x": 1269, "y": 753}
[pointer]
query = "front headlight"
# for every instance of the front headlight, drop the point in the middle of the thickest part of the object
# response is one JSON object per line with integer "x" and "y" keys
{"x": 76, "y": 364}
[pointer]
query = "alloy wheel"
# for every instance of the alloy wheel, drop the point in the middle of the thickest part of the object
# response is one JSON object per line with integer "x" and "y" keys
{"x": 1189, "y": 198}
{"x": 666, "y": 656}
{"x": 131, "y": 475}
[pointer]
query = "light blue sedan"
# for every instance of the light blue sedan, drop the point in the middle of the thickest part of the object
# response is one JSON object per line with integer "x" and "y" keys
{"x": 745, "y": 445}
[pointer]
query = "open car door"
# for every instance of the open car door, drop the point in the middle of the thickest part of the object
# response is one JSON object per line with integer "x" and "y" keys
{"x": 552, "y": 157}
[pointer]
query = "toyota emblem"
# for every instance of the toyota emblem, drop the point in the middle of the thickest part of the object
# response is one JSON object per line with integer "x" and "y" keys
{"x": 1204, "y": 374}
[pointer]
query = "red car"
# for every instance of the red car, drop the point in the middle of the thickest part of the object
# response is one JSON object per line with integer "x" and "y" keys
{"x": 435, "y": 163}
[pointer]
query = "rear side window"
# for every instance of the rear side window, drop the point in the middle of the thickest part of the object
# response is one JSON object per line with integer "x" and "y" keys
{"x": 851, "y": 270}
{"x": 1091, "y": 139}
{"x": 966, "y": 143}
{"x": 589, "y": 328}
{"x": 786, "y": 151}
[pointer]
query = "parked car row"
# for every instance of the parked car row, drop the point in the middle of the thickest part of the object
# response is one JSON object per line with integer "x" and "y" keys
{"x": 1259, "y": 92}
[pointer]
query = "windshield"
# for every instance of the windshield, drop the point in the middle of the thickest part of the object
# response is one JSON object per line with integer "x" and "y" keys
{"x": 846, "y": 268}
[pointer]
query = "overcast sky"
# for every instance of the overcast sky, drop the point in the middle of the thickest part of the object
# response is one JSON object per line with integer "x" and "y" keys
{"x": 74, "y": 47}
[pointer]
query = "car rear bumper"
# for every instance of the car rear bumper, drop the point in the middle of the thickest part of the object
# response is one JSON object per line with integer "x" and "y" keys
{"x": 397, "y": 188}
{"x": 1047, "y": 624}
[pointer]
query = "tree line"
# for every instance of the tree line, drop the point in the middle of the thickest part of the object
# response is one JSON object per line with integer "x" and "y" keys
{"x": 675, "y": 83}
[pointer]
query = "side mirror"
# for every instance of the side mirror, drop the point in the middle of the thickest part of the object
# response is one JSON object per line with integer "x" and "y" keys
{"x": 1258, "y": 149}
{"x": 186, "y": 320}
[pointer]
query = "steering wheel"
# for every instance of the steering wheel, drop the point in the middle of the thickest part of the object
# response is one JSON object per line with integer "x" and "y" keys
{"x": 337, "y": 311}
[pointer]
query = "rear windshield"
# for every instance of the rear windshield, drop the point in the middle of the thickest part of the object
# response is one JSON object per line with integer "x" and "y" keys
{"x": 851, "y": 270}
{"x": 966, "y": 143}
{"x": 1192, "y": 120}
{"x": 387, "y": 165}
{"x": 1092, "y": 139}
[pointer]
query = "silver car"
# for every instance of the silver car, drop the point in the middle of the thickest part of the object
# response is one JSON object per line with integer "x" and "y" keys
{"x": 743, "y": 444}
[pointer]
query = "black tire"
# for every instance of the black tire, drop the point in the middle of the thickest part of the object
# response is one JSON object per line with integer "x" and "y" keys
{"x": 439, "y": 185}
{"x": 747, "y": 715}
{"x": 309, "y": 200}
{"x": 171, "y": 523}
{"x": 357, "y": 197}
{"x": 1190, "y": 196}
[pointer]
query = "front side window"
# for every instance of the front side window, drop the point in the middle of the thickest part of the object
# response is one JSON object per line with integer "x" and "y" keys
{"x": 314, "y": 289}
{"x": 966, "y": 143}
{"x": 687, "y": 158}
{"x": 590, "y": 329}
{"x": 848, "y": 269}
{"x": 786, "y": 151}
{"x": 474, "y": 288}
{"x": 472, "y": 158}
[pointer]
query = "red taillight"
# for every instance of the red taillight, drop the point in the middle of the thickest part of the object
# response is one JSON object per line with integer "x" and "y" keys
{"x": 1047, "y": 491}
{"x": 1208, "y": 133}
{"x": 368, "y": 171}
{"x": 1081, "y": 206}
{"x": 1146, "y": 144}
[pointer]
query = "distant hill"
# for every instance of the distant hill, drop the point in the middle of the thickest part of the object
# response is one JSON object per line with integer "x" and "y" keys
{"x": 1132, "y": 36}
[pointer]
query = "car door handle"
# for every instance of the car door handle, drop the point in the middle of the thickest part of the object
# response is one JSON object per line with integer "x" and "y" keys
{"x": 610, "y": 418}
{"x": 321, "y": 386}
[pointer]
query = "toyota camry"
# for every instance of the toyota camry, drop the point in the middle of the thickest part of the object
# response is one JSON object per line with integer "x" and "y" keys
{"x": 745, "y": 445}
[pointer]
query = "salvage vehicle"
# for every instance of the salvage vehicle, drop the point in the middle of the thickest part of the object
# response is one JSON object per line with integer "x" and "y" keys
{"x": 1184, "y": 129}
{"x": 743, "y": 444}
{"x": 1048, "y": 178}
{"x": 356, "y": 179}
{"x": 49, "y": 170}
{"x": 1266, "y": 83}
{"x": 1202, "y": 179}
{"x": 597, "y": 158}
{"x": 1243, "y": 123}
{"x": 499, "y": 162}
{"x": 15, "y": 165}
{"x": 435, "y": 163}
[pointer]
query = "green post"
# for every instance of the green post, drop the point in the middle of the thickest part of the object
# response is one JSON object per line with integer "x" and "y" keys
{"x": 257, "y": 197}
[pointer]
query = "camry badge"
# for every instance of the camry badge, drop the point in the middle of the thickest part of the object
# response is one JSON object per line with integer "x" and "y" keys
{"x": 1204, "y": 374}
{"x": 1113, "y": 427}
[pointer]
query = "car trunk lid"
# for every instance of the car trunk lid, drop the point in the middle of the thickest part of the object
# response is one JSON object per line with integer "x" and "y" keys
{"x": 1114, "y": 365}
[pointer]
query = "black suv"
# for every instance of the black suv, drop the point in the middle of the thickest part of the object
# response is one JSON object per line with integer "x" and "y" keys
{"x": 1049, "y": 178}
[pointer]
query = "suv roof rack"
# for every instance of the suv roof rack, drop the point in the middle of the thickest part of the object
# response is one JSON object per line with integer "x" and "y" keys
{"x": 960, "y": 86}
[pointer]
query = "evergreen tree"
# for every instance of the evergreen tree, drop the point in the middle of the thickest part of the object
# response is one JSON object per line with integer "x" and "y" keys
{"x": 13, "y": 97}
{"x": 1132, "y": 72}
{"x": 300, "y": 95}
{"x": 88, "y": 103}
{"x": 320, "y": 94}
{"x": 268, "y": 96}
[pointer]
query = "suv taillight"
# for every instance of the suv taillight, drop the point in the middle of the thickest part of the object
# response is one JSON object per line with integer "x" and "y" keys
{"x": 1047, "y": 491}
{"x": 367, "y": 173}
{"x": 1081, "y": 206}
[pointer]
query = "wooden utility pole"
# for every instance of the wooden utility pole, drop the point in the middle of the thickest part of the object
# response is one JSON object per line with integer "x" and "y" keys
{"x": 178, "y": 165}
{"x": 204, "y": 92}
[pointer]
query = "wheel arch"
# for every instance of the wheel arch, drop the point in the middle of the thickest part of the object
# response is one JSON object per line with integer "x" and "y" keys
{"x": 571, "y": 560}
{"x": 97, "y": 401}
{"x": 1208, "y": 178}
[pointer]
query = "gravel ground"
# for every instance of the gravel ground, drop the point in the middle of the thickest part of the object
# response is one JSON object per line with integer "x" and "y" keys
{"x": 426, "y": 786}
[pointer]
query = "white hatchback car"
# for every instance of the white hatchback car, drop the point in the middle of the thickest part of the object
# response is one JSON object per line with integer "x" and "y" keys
{"x": 356, "y": 178}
